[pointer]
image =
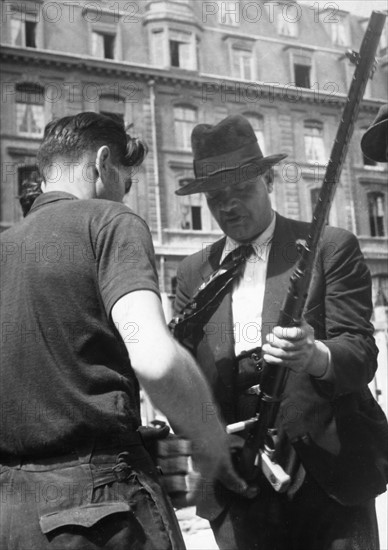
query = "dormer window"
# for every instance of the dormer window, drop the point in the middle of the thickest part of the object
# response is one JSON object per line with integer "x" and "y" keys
{"x": 103, "y": 45}
{"x": 23, "y": 30}
{"x": 174, "y": 48}
{"x": 339, "y": 33}
{"x": 228, "y": 12}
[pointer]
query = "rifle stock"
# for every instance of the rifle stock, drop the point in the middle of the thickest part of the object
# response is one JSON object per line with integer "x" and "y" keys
{"x": 261, "y": 441}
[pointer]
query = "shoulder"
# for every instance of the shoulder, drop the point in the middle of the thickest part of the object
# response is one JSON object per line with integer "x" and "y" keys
{"x": 108, "y": 215}
{"x": 330, "y": 234}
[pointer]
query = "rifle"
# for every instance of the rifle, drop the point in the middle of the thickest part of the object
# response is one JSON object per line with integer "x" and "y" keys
{"x": 261, "y": 442}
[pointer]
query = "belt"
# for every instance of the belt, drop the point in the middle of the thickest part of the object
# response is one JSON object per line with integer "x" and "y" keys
{"x": 87, "y": 449}
{"x": 249, "y": 369}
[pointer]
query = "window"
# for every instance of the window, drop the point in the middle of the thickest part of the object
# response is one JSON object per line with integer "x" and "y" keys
{"x": 29, "y": 110}
{"x": 228, "y": 12}
{"x": 112, "y": 105}
{"x": 302, "y": 75}
{"x": 185, "y": 118}
{"x": 377, "y": 214}
{"x": 191, "y": 210}
{"x": 171, "y": 48}
{"x": 103, "y": 45}
{"x": 339, "y": 33}
{"x": 174, "y": 284}
{"x": 313, "y": 141}
{"x": 380, "y": 290}
{"x": 182, "y": 49}
{"x": 257, "y": 123}
{"x": 23, "y": 30}
{"x": 286, "y": 28}
{"x": 242, "y": 63}
{"x": 196, "y": 220}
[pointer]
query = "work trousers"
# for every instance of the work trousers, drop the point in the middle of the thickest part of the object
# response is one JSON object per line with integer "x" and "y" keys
{"x": 107, "y": 499}
{"x": 309, "y": 521}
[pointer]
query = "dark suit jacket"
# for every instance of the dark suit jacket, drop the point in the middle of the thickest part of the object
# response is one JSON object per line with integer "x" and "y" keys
{"x": 337, "y": 428}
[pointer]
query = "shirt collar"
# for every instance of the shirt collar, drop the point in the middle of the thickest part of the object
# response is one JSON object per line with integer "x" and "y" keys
{"x": 51, "y": 196}
{"x": 260, "y": 244}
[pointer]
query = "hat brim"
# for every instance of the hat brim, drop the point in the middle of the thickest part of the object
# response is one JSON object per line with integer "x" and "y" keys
{"x": 374, "y": 141}
{"x": 231, "y": 176}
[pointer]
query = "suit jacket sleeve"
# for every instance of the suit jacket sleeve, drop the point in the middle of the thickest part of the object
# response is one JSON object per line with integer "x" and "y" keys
{"x": 348, "y": 308}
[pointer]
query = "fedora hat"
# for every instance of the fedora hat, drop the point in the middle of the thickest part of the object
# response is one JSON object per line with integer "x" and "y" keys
{"x": 225, "y": 154}
{"x": 374, "y": 141}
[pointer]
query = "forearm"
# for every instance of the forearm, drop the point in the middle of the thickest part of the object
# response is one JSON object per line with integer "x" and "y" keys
{"x": 179, "y": 390}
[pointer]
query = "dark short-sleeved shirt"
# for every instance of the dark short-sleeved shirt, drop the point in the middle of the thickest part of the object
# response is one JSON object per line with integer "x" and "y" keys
{"x": 65, "y": 372}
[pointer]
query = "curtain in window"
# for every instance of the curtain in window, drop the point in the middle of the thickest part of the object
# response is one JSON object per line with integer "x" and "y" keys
{"x": 29, "y": 119}
{"x": 97, "y": 44}
{"x": 313, "y": 142}
{"x": 17, "y": 32}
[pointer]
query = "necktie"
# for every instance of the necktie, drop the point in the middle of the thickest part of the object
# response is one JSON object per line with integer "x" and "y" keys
{"x": 211, "y": 291}
{"x": 238, "y": 256}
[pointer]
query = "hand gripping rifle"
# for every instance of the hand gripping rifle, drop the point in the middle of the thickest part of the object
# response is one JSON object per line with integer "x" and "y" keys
{"x": 261, "y": 442}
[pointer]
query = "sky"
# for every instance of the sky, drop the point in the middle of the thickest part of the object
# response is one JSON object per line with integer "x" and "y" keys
{"x": 358, "y": 7}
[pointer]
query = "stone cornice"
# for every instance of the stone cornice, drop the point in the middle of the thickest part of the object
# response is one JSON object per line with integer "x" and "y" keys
{"x": 216, "y": 84}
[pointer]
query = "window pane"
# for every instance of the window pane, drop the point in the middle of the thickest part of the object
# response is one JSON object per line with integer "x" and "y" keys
{"x": 174, "y": 53}
{"x": 377, "y": 214}
{"x": 258, "y": 127}
{"x": 313, "y": 140}
{"x": 187, "y": 55}
{"x": 29, "y": 119}
{"x": 184, "y": 122}
{"x": 109, "y": 46}
{"x": 157, "y": 48}
{"x": 242, "y": 64}
{"x": 286, "y": 28}
{"x": 97, "y": 44}
{"x": 302, "y": 75}
{"x": 196, "y": 217}
{"x": 30, "y": 34}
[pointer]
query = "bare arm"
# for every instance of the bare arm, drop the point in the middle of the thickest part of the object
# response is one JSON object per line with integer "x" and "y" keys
{"x": 173, "y": 381}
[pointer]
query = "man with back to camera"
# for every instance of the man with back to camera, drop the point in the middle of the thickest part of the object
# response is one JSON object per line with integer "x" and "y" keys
{"x": 82, "y": 323}
{"x": 327, "y": 411}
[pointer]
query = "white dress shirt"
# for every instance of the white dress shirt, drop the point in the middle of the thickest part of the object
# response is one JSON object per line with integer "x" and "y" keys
{"x": 248, "y": 291}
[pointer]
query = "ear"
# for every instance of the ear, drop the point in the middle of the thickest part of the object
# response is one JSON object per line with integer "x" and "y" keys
{"x": 269, "y": 177}
{"x": 103, "y": 160}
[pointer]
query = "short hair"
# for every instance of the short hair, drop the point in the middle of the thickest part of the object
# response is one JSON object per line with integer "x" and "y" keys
{"x": 73, "y": 136}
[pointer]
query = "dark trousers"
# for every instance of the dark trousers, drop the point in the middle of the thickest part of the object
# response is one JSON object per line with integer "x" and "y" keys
{"x": 108, "y": 500}
{"x": 310, "y": 521}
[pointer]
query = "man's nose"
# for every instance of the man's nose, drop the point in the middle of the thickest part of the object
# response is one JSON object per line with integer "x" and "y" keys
{"x": 228, "y": 204}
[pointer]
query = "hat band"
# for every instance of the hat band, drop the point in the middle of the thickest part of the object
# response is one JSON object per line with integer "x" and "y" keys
{"x": 227, "y": 161}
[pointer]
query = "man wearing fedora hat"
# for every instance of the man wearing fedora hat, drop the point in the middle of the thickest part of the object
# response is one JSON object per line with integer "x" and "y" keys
{"x": 374, "y": 142}
{"x": 327, "y": 414}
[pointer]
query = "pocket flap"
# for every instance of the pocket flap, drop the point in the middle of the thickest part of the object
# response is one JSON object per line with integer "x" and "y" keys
{"x": 85, "y": 516}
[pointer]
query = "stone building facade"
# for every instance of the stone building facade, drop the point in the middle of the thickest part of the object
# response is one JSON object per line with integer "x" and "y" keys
{"x": 166, "y": 65}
